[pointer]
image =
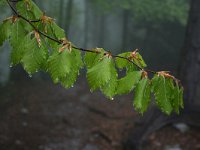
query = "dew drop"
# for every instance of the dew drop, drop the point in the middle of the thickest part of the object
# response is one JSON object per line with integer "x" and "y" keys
{"x": 11, "y": 64}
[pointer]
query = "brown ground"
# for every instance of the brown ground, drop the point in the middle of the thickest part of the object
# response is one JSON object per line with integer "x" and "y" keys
{"x": 38, "y": 115}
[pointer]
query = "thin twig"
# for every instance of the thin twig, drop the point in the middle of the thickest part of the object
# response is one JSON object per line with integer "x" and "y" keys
{"x": 35, "y": 20}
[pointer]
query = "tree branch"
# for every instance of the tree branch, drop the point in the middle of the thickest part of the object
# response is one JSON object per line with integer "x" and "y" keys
{"x": 30, "y": 22}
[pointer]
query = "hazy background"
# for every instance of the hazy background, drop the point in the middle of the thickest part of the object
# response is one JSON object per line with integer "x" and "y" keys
{"x": 38, "y": 115}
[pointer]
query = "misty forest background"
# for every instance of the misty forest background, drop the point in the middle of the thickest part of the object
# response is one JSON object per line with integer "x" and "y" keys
{"x": 36, "y": 114}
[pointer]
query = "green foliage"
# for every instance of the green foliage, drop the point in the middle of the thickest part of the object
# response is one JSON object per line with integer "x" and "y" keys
{"x": 5, "y": 30}
{"x": 142, "y": 95}
{"x": 18, "y": 41}
{"x": 177, "y": 99}
{"x": 29, "y": 9}
{"x": 109, "y": 89}
{"x": 34, "y": 57}
{"x": 122, "y": 63}
{"x": 69, "y": 80}
{"x": 165, "y": 94}
{"x": 58, "y": 32}
{"x": 146, "y": 10}
{"x": 160, "y": 10}
{"x": 42, "y": 45}
{"x": 91, "y": 59}
{"x": 101, "y": 73}
{"x": 59, "y": 65}
{"x": 133, "y": 56}
{"x": 127, "y": 83}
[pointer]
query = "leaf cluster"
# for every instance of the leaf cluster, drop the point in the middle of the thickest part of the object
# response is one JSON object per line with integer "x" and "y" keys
{"x": 38, "y": 52}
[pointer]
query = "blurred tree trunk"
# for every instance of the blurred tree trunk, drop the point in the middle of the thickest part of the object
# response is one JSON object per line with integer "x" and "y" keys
{"x": 61, "y": 8}
{"x": 190, "y": 63}
{"x": 86, "y": 24}
{"x": 68, "y": 18}
{"x": 189, "y": 71}
{"x": 102, "y": 30}
{"x": 125, "y": 30}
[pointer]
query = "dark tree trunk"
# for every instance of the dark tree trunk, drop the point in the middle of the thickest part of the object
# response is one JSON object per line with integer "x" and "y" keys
{"x": 189, "y": 74}
{"x": 190, "y": 63}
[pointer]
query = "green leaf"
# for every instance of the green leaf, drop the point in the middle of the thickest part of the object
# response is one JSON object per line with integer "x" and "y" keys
{"x": 127, "y": 83}
{"x": 59, "y": 65}
{"x": 77, "y": 58}
{"x": 52, "y": 30}
{"x": 29, "y": 9}
{"x": 162, "y": 93}
{"x": 26, "y": 50}
{"x": 69, "y": 79}
{"x": 34, "y": 57}
{"x": 122, "y": 63}
{"x": 110, "y": 88}
{"x": 5, "y": 30}
{"x": 77, "y": 64}
{"x": 177, "y": 100}
{"x": 139, "y": 60}
{"x": 181, "y": 102}
{"x": 58, "y": 32}
{"x": 142, "y": 95}
{"x": 18, "y": 41}
{"x": 100, "y": 74}
{"x": 91, "y": 59}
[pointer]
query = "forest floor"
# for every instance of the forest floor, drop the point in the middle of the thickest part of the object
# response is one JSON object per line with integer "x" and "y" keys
{"x": 38, "y": 115}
